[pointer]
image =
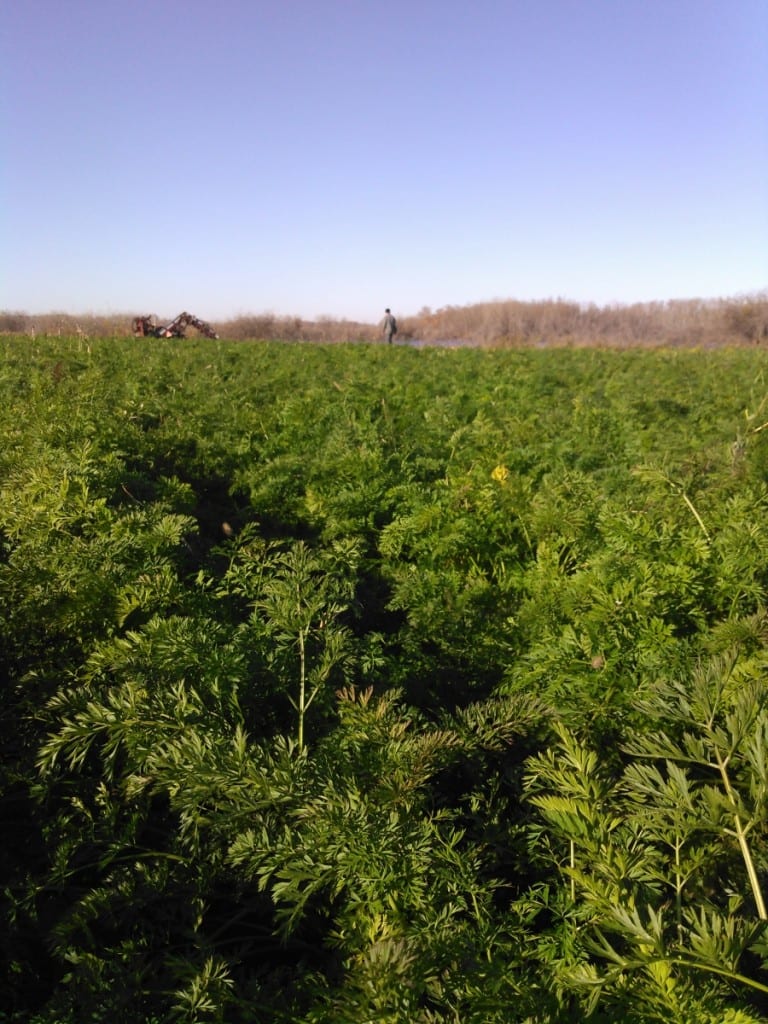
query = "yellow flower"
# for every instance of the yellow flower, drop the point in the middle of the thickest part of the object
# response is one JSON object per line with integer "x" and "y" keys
{"x": 500, "y": 473}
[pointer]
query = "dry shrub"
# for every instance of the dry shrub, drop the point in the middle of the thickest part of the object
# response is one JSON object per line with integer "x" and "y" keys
{"x": 710, "y": 323}
{"x": 267, "y": 326}
{"x": 678, "y": 323}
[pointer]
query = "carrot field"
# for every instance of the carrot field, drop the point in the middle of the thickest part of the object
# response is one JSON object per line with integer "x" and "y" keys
{"x": 350, "y": 683}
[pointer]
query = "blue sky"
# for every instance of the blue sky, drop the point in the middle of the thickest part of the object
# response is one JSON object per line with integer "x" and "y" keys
{"x": 332, "y": 157}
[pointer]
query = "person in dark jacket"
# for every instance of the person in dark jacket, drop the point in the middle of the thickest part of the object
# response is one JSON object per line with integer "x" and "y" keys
{"x": 389, "y": 326}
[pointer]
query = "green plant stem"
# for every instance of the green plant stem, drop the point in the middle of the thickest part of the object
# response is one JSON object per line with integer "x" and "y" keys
{"x": 699, "y": 520}
{"x": 302, "y": 687}
{"x": 741, "y": 836}
{"x": 701, "y": 965}
{"x": 678, "y": 891}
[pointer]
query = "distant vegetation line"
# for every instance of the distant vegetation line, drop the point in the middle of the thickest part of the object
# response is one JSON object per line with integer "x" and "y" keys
{"x": 708, "y": 323}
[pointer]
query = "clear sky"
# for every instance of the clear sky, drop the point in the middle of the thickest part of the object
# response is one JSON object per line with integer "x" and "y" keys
{"x": 332, "y": 157}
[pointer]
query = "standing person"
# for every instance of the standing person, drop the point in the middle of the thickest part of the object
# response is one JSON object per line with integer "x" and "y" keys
{"x": 389, "y": 326}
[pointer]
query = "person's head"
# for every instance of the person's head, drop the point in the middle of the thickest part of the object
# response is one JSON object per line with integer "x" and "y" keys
{"x": 387, "y": 309}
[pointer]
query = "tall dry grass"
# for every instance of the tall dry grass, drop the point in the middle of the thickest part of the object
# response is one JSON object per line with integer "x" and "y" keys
{"x": 710, "y": 323}
{"x": 679, "y": 323}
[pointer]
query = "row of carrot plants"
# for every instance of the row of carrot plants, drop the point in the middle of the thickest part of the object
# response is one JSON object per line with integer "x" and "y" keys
{"x": 349, "y": 683}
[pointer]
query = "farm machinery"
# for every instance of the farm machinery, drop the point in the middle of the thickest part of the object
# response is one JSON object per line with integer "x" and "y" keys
{"x": 147, "y": 327}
